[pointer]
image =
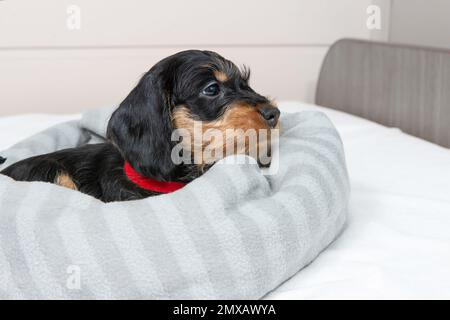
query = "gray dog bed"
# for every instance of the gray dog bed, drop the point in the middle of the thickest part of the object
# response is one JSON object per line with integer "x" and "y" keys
{"x": 234, "y": 233}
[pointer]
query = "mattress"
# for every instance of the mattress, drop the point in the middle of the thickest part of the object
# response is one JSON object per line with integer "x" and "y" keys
{"x": 396, "y": 243}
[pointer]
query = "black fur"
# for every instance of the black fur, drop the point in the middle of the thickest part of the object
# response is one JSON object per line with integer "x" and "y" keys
{"x": 96, "y": 169}
{"x": 139, "y": 131}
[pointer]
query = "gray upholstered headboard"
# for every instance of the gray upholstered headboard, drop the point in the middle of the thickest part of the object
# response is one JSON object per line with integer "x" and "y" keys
{"x": 396, "y": 85}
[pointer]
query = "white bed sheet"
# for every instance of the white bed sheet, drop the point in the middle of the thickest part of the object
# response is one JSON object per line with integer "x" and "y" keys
{"x": 397, "y": 240}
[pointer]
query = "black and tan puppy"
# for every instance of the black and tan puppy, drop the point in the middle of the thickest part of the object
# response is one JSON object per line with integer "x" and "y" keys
{"x": 191, "y": 87}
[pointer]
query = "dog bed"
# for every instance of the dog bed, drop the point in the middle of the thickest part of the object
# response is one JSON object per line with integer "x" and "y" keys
{"x": 234, "y": 233}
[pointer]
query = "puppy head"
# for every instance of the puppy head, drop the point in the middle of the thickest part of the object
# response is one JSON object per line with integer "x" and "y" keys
{"x": 187, "y": 90}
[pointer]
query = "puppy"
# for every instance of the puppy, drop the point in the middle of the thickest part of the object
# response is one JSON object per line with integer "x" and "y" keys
{"x": 185, "y": 91}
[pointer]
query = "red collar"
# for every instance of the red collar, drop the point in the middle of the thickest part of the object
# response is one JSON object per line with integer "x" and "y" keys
{"x": 151, "y": 184}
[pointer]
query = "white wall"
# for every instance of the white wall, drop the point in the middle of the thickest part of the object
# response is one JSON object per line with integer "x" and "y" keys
{"x": 421, "y": 22}
{"x": 47, "y": 67}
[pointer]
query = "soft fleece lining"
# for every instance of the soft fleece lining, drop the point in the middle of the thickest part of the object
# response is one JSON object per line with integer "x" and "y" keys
{"x": 232, "y": 234}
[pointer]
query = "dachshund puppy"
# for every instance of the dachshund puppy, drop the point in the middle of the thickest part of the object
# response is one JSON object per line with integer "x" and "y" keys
{"x": 189, "y": 89}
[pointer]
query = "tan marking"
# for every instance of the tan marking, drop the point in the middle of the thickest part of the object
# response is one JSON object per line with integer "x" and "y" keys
{"x": 221, "y": 76}
{"x": 64, "y": 180}
{"x": 236, "y": 116}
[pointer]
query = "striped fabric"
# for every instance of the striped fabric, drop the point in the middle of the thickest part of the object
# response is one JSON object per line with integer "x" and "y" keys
{"x": 231, "y": 234}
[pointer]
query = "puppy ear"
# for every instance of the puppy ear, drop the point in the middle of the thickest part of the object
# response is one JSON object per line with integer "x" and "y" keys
{"x": 141, "y": 128}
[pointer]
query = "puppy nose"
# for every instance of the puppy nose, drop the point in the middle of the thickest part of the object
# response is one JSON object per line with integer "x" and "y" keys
{"x": 270, "y": 114}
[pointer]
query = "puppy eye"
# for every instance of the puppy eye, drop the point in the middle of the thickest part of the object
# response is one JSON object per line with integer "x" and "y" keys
{"x": 211, "y": 90}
